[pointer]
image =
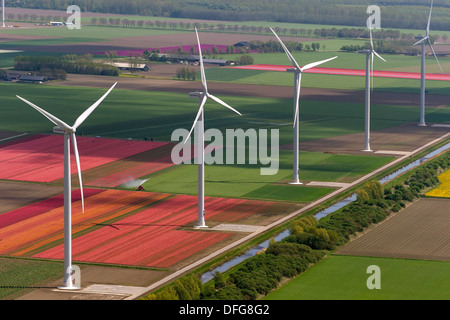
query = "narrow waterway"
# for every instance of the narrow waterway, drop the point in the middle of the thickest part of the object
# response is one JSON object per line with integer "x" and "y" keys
{"x": 253, "y": 251}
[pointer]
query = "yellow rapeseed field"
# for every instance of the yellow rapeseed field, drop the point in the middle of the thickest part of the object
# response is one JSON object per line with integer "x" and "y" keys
{"x": 443, "y": 190}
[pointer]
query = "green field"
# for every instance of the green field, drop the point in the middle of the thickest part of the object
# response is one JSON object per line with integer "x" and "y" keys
{"x": 19, "y": 276}
{"x": 91, "y": 32}
{"x": 247, "y": 182}
{"x": 345, "y": 60}
{"x": 138, "y": 114}
{"x": 344, "y": 278}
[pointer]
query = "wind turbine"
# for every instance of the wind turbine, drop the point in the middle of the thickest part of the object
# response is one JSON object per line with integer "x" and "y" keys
{"x": 369, "y": 72}
{"x": 422, "y": 79}
{"x": 203, "y": 97}
{"x": 297, "y": 70}
{"x": 69, "y": 133}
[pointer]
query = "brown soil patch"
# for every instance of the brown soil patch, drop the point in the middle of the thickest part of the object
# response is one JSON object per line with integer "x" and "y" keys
{"x": 15, "y": 195}
{"x": 184, "y": 38}
{"x": 232, "y": 89}
{"x": 400, "y": 138}
{"x": 418, "y": 232}
{"x": 19, "y": 37}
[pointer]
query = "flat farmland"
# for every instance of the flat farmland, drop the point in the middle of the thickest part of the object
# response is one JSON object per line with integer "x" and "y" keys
{"x": 15, "y": 195}
{"x": 344, "y": 278}
{"x": 39, "y": 158}
{"x": 129, "y": 227}
{"x": 418, "y": 232}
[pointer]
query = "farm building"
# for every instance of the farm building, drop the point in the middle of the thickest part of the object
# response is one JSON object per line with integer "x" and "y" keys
{"x": 12, "y": 76}
{"x": 195, "y": 59}
{"x": 218, "y": 62}
{"x": 32, "y": 79}
{"x": 243, "y": 44}
{"x": 131, "y": 66}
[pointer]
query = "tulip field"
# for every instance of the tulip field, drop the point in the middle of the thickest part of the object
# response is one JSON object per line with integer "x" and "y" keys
{"x": 120, "y": 227}
{"x": 39, "y": 158}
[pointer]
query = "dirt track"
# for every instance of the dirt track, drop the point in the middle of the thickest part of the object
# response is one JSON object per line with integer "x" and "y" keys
{"x": 281, "y": 92}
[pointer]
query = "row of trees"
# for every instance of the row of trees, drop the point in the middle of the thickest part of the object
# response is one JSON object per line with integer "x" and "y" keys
{"x": 309, "y": 240}
{"x": 389, "y": 47}
{"x": 405, "y": 14}
{"x": 347, "y": 33}
{"x": 81, "y": 64}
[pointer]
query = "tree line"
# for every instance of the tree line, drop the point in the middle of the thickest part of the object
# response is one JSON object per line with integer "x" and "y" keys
{"x": 396, "y": 14}
{"x": 57, "y": 67}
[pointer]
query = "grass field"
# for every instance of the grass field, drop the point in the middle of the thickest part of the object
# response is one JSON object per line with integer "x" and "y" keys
{"x": 138, "y": 114}
{"x": 344, "y": 278}
{"x": 18, "y": 276}
{"x": 90, "y": 32}
{"x": 344, "y": 60}
{"x": 246, "y": 181}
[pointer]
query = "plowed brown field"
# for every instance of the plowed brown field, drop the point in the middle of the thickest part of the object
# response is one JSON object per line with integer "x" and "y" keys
{"x": 420, "y": 231}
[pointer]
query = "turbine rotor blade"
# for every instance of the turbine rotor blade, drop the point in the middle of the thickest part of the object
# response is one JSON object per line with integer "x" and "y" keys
{"x": 373, "y": 48}
{"x": 379, "y": 56}
{"x": 315, "y": 64}
{"x": 291, "y": 58}
{"x": 429, "y": 18}
{"x": 77, "y": 160}
{"x": 371, "y": 38}
{"x": 434, "y": 53}
{"x": 91, "y": 109}
{"x": 49, "y": 116}
{"x": 224, "y": 104}
{"x": 200, "y": 110}
{"x": 202, "y": 68}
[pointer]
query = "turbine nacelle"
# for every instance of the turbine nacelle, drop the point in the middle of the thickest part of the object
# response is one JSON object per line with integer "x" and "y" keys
{"x": 195, "y": 94}
{"x": 298, "y": 70}
{"x": 205, "y": 95}
{"x": 427, "y": 38}
{"x": 59, "y": 130}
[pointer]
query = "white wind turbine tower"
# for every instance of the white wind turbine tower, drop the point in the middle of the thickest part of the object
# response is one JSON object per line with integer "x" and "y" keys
{"x": 199, "y": 120}
{"x": 69, "y": 133}
{"x": 422, "y": 79}
{"x": 297, "y": 70}
{"x": 369, "y": 72}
